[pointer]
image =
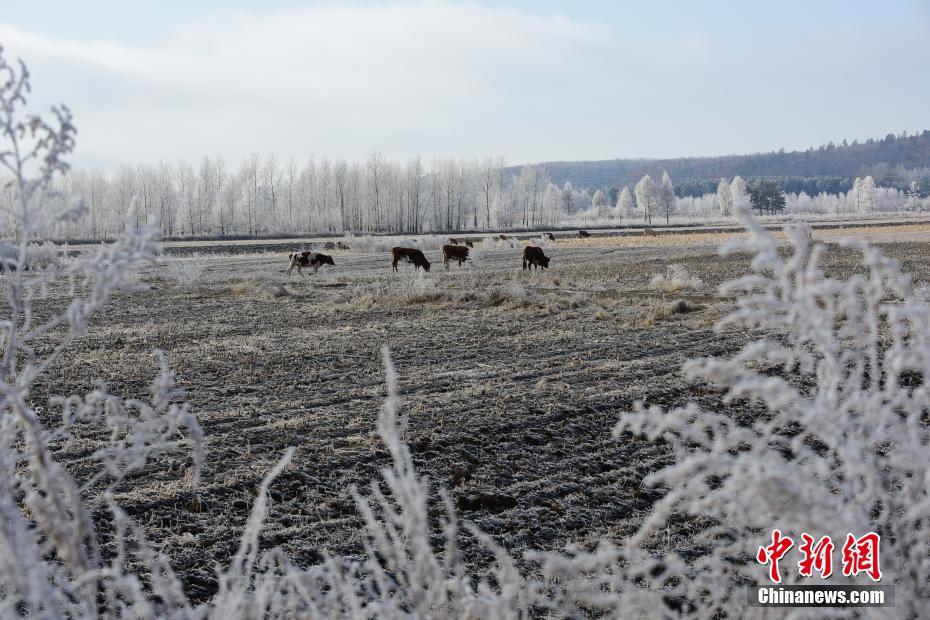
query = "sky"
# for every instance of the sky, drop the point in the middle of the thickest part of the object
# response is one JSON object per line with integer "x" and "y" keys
{"x": 527, "y": 80}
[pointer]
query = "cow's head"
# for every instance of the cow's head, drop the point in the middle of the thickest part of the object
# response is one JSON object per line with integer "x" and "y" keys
{"x": 545, "y": 261}
{"x": 326, "y": 260}
{"x": 425, "y": 264}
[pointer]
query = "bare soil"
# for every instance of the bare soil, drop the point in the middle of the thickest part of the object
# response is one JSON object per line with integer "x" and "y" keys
{"x": 512, "y": 382}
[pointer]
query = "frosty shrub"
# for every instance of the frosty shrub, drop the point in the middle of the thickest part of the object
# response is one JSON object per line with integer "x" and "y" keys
{"x": 51, "y": 562}
{"x": 836, "y": 440}
{"x": 38, "y": 256}
{"x": 675, "y": 278}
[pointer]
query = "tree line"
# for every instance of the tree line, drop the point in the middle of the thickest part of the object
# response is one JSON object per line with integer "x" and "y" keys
{"x": 265, "y": 196}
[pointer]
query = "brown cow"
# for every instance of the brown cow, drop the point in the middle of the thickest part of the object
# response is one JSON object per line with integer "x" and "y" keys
{"x": 533, "y": 256}
{"x": 648, "y": 232}
{"x": 308, "y": 259}
{"x": 583, "y": 234}
{"x": 454, "y": 252}
{"x": 550, "y": 236}
{"x": 409, "y": 255}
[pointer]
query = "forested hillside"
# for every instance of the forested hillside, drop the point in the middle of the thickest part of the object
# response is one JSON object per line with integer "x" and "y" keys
{"x": 894, "y": 161}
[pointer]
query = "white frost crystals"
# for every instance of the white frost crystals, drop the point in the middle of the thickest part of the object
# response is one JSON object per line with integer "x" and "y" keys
{"x": 826, "y": 433}
{"x": 50, "y": 560}
{"x": 838, "y": 439}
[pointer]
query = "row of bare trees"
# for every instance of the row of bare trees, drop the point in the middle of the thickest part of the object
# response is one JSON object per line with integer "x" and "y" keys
{"x": 265, "y": 195}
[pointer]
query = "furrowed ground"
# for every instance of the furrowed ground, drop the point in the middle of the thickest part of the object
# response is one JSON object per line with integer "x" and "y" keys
{"x": 512, "y": 382}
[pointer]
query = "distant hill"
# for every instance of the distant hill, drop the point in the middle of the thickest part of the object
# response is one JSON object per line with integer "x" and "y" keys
{"x": 893, "y": 161}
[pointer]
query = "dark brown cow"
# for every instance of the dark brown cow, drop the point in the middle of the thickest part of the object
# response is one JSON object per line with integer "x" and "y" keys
{"x": 583, "y": 234}
{"x": 454, "y": 252}
{"x": 408, "y": 255}
{"x": 308, "y": 259}
{"x": 550, "y": 236}
{"x": 533, "y": 256}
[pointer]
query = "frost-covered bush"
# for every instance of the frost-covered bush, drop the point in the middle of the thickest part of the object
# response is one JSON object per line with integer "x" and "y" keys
{"x": 836, "y": 439}
{"x": 38, "y": 256}
{"x": 675, "y": 278}
{"x": 51, "y": 562}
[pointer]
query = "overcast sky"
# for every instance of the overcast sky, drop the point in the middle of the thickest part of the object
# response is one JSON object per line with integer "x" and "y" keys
{"x": 531, "y": 80}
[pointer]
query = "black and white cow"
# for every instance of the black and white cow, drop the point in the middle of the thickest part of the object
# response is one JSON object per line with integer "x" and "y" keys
{"x": 308, "y": 259}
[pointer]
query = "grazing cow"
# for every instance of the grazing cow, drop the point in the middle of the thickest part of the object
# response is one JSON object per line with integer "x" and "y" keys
{"x": 308, "y": 259}
{"x": 648, "y": 232}
{"x": 454, "y": 252}
{"x": 409, "y": 255}
{"x": 341, "y": 246}
{"x": 469, "y": 243}
{"x": 533, "y": 256}
{"x": 550, "y": 236}
{"x": 583, "y": 234}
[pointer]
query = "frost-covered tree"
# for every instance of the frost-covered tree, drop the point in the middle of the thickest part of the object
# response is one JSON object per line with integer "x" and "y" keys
{"x": 625, "y": 202}
{"x": 666, "y": 196}
{"x": 739, "y": 193}
{"x": 867, "y": 188}
{"x": 646, "y": 198}
{"x": 568, "y": 198}
{"x": 913, "y": 196}
{"x": 724, "y": 198}
{"x": 599, "y": 204}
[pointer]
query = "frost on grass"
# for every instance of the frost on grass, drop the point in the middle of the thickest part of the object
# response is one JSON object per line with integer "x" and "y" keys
{"x": 839, "y": 437}
{"x": 51, "y": 563}
{"x": 260, "y": 287}
{"x": 675, "y": 278}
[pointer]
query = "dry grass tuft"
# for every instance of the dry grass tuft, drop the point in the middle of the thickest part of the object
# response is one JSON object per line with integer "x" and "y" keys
{"x": 260, "y": 288}
{"x": 660, "y": 311}
{"x": 675, "y": 278}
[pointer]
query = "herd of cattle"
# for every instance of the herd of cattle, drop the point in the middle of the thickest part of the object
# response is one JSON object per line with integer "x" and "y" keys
{"x": 532, "y": 257}
{"x": 456, "y": 250}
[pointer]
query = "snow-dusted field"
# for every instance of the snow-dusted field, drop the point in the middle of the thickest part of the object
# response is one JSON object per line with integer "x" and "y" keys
{"x": 512, "y": 381}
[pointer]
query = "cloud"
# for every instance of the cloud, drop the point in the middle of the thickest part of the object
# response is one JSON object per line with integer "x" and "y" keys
{"x": 335, "y": 80}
